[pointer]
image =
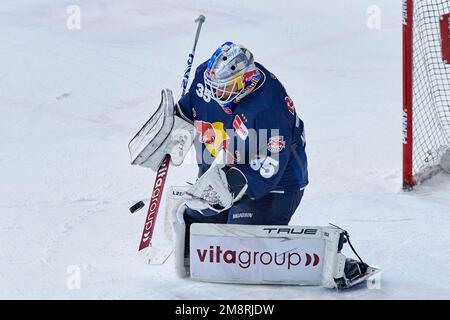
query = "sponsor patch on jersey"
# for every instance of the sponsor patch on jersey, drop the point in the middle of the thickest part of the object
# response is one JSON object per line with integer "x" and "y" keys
{"x": 290, "y": 105}
{"x": 240, "y": 127}
{"x": 276, "y": 144}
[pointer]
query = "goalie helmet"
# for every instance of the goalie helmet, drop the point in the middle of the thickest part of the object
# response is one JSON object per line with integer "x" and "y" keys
{"x": 231, "y": 74}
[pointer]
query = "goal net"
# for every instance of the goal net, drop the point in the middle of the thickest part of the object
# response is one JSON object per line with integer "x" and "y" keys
{"x": 426, "y": 88}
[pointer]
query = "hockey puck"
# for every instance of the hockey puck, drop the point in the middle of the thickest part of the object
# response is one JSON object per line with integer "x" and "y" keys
{"x": 137, "y": 206}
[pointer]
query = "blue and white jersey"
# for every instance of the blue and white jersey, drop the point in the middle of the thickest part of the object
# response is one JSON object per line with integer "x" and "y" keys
{"x": 262, "y": 134}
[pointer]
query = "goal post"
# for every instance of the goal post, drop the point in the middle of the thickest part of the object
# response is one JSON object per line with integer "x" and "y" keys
{"x": 408, "y": 180}
{"x": 426, "y": 88}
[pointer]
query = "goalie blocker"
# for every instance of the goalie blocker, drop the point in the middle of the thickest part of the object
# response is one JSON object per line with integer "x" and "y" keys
{"x": 256, "y": 254}
{"x": 163, "y": 134}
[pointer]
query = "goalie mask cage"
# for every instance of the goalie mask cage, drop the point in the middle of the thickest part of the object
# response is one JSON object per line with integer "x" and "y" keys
{"x": 426, "y": 88}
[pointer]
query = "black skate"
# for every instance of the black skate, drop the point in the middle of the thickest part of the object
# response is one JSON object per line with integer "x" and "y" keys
{"x": 355, "y": 272}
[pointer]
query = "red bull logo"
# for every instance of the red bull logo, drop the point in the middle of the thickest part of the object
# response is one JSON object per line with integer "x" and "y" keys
{"x": 276, "y": 144}
{"x": 212, "y": 135}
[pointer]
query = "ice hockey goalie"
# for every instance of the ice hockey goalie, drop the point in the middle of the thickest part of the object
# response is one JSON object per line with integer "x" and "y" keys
{"x": 250, "y": 150}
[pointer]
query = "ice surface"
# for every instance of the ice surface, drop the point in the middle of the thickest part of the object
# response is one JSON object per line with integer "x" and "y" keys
{"x": 70, "y": 101}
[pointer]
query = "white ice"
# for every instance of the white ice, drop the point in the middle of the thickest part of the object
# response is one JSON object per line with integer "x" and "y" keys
{"x": 70, "y": 100}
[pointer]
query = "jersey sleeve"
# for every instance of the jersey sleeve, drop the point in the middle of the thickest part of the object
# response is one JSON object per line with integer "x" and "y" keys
{"x": 265, "y": 164}
{"x": 184, "y": 106}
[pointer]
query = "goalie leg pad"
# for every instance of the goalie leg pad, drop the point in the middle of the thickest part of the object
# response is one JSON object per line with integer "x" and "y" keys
{"x": 181, "y": 256}
{"x": 295, "y": 255}
{"x": 182, "y": 225}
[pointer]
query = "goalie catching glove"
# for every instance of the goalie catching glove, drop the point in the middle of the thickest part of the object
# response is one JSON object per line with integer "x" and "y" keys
{"x": 217, "y": 189}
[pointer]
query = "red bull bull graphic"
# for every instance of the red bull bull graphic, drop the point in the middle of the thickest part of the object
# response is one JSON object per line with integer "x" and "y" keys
{"x": 276, "y": 144}
{"x": 215, "y": 137}
{"x": 212, "y": 135}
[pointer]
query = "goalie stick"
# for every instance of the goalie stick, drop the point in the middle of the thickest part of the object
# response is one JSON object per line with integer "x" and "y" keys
{"x": 155, "y": 200}
{"x": 158, "y": 256}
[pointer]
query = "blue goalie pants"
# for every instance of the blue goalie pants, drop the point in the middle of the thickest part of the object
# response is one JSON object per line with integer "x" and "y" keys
{"x": 272, "y": 209}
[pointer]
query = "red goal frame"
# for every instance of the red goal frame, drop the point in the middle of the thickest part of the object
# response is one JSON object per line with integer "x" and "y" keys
{"x": 408, "y": 179}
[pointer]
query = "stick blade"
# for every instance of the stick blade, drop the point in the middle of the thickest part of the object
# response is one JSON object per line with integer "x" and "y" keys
{"x": 157, "y": 255}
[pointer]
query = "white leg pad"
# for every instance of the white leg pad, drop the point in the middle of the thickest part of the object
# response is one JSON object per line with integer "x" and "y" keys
{"x": 181, "y": 266}
{"x": 175, "y": 208}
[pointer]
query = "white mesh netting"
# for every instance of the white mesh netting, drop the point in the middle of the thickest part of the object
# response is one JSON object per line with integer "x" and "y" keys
{"x": 431, "y": 88}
